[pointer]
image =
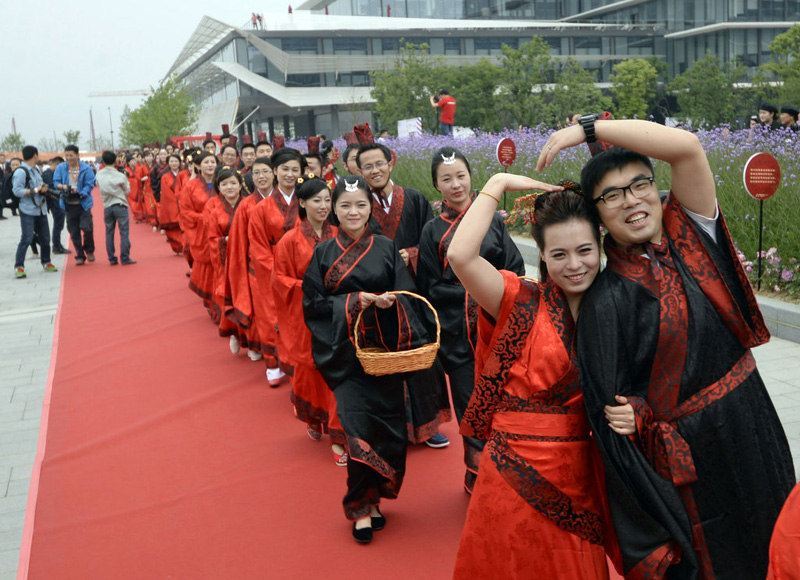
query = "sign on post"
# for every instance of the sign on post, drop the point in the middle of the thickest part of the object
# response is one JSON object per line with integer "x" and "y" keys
{"x": 762, "y": 177}
{"x": 506, "y": 152}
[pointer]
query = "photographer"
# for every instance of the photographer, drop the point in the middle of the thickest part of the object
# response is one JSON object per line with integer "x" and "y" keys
{"x": 55, "y": 209}
{"x": 448, "y": 106}
{"x": 31, "y": 191}
{"x": 75, "y": 180}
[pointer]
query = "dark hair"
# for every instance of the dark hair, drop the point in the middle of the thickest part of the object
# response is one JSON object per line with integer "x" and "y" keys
{"x": 361, "y": 183}
{"x": 198, "y": 159}
{"x": 370, "y": 147}
{"x": 322, "y": 158}
{"x": 598, "y": 166}
{"x": 28, "y": 152}
{"x": 444, "y": 92}
{"x": 326, "y": 147}
{"x": 263, "y": 161}
{"x": 308, "y": 189}
{"x": 286, "y": 154}
{"x": 349, "y": 149}
{"x": 224, "y": 173}
{"x": 438, "y": 159}
{"x": 559, "y": 207}
{"x": 73, "y": 148}
{"x": 176, "y": 156}
{"x": 58, "y": 159}
{"x": 225, "y": 147}
{"x": 109, "y": 157}
{"x": 207, "y": 141}
{"x": 246, "y": 145}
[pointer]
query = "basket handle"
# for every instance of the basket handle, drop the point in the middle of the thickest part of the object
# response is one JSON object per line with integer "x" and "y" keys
{"x": 413, "y": 295}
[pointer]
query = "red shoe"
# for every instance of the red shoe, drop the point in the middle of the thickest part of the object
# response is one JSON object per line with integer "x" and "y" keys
{"x": 314, "y": 431}
{"x": 340, "y": 460}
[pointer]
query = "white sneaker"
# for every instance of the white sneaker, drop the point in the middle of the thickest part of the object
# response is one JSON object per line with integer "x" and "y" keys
{"x": 234, "y": 344}
{"x": 254, "y": 355}
{"x": 155, "y": 228}
{"x": 163, "y": 232}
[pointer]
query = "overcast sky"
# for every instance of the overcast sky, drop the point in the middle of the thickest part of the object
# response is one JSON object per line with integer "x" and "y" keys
{"x": 56, "y": 52}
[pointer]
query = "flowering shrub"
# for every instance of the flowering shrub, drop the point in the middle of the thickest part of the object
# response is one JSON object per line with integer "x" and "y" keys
{"x": 776, "y": 275}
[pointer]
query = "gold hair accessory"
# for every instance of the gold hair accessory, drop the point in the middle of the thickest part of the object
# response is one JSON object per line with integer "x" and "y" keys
{"x": 350, "y": 187}
{"x": 526, "y": 206}
{"x": 311, "y": 176}
{"x": 449, "y": 160}
{"x": 300, "y": 181}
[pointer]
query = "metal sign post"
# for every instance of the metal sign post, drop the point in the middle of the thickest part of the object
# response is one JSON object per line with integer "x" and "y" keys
{"x": 762, "y": 177}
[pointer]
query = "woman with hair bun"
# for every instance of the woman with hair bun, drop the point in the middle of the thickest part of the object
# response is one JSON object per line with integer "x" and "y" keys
{"x": 537, "y": 510}
{"x": 192, "y": 202}
{"x": 269, "y": 221}
{"x": 218, "y": 214}
{"x": 458, "y": 311}
{"x": 347, "y": 275}
{"x": 313, "y": 401}
{"x": 168, "y": 212}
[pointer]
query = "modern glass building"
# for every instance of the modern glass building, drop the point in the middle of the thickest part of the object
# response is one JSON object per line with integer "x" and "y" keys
{"x": 307, "y": 72}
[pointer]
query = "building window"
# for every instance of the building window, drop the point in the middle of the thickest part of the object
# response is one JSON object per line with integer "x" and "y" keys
{"x": 310, "y": 80}
{"x": 353, "y": 79}
{"x": 452, "y": 46}
{"x": 487, "y": 46}
{"x": 304, "y": 45}
{"x": 356, "y": 46}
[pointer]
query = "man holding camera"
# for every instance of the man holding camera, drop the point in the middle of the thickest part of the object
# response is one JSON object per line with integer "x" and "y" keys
{"x": 448, "y": 106}
{"x": 75, "y": 180}
{"x": 28, "y": 186}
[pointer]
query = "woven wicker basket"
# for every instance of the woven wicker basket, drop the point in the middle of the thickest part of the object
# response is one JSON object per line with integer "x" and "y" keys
{"x": 378, "y": 361}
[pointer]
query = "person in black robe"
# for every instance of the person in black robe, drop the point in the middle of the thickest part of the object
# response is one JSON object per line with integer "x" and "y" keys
{"x": 667, "y": 328}
{"x": 458, "y": 311}
{"x": 400, "y": 213}
{"x": 347, "y": 274}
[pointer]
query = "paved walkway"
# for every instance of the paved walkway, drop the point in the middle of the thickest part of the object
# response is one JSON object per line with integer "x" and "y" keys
{"x": 27, "y": 317}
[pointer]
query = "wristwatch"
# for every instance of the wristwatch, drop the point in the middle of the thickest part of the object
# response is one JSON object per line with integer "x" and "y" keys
{"x": 587, "y": 122}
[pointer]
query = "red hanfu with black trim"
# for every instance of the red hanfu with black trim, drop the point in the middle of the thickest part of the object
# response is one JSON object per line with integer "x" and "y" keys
{"x": 313, "y": 401}
{"x": 240, "y": 277}
{"x": 269, "y": 221}
{"x": 169, "y": 213}
{"x": 180, "y": 183}
{"x": 537, "y": 510}
{"x": 371, "y": 408}
{"x": 146, "y": 197}
{"x": 409, "y": 211}
{"x": 192, "y": 202}
{"x": 218, "y": 216}
{"x": 696, "y": 492}
{"x": 135, "y": 195}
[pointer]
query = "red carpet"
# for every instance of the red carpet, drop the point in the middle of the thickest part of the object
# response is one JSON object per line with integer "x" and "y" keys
{"x": 167, "y": 457}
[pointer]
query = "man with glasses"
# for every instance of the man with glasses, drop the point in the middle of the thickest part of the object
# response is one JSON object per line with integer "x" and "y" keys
{"x": 399, "y": 213}
{"x": 665, "y": 332}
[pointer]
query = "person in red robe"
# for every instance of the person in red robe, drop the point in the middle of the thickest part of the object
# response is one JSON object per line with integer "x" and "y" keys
{"x": 168, "y": 212}
{"x": 400, "y": 213}
{"x": 537, "y": 509}
{"x": 313, "y": 401}
{"x": 240, "y": 277}
{"x": 218, "y": 215}
{"x": 269, "y": 221}
{"x": 148, "y": 200}
{"x": 134, "y": 197}
{"x": 185, "y": 175}
{"x": 784, "y": 548}
{"x": 193, "y": 201}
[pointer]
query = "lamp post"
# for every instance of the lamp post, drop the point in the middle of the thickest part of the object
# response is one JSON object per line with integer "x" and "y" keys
{"x": 111, "y": 127}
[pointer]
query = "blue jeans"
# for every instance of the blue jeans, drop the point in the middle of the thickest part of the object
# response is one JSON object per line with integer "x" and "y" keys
{"x": 117, "y": 214}
{"x": 446, "y": 128}
{"x": 31, "y": 224}
{"x": 59, "y": 216}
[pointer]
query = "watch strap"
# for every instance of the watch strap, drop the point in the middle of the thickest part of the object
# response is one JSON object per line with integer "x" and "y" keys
{"x": 587, "y": 122}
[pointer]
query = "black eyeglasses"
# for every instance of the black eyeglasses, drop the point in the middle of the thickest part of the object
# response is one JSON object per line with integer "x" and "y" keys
{"x": 639, "y": 188}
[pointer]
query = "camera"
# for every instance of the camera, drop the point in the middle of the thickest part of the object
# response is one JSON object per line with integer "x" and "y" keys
{"x": 70, "y": 195}
{"x": 436, "y": 98}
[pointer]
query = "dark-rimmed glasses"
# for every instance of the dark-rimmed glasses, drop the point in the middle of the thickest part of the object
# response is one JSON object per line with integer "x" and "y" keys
{"x": 639, "y": 188}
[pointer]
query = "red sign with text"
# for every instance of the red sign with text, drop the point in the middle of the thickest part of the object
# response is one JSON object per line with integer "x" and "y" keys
{"x": 762, "y": 176}
{"x": 506, "y": 152}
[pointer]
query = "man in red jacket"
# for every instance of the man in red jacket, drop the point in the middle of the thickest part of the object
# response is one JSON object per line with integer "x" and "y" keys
{"x": 448, "y": 106}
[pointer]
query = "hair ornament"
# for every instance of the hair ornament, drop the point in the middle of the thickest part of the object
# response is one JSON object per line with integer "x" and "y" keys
{"x": 350, "y": 187}
{"x": 311, "y": 176}
{"x": 571, "y": 185}
{"x": 300, "y": 181}
{"x": 526, "y": 206}
{"x": 448, "y": 160}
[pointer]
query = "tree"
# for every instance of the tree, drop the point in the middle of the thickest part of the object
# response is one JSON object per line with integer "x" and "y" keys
{"x": 526, "y": 71}
{"x": 705, "y": 93}
{"x": 576, "y": 92}
{"x": 12, "y": 142}
{"x": 72, "y": 137}
{"x": 166, "y": 112}
{"x": 404, "y": 91}
{"x": 634, "y": 85}
{"x": 475, "y": 89}
{"x": 46, "y": 144}
{"x": 786, "y": 65}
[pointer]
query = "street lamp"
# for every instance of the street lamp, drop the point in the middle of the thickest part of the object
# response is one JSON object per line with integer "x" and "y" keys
{"x": 111, "y": 127}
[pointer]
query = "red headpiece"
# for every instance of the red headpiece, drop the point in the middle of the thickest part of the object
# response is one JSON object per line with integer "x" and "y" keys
{"x": 278, "y": 142}
{"x": 225, "y": 130}
{"x": 232, "y": 140}
{"x": 363, "y": 134}
{"x": 262, "y": 137}
{"x": 247, "y": 140}
{"x": 350, "y": 139}
{"x": 208, "y": 135}
{"x": 313, "y": 145}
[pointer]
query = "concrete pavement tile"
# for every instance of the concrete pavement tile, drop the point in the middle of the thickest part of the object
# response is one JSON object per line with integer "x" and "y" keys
{"x": 10, "y": 540}
{"x": 10, "y": 506}
{"x": 22, "y": 472}
{"x": 9, "y": 560}
{"x": 18, "y": 487}
{"x": 25, "y": 427}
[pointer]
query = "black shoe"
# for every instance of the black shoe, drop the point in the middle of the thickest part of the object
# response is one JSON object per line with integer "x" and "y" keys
{"x": 128, "y": 262}
{"x": 113, "y": 262}
{"x": 378, "y": 522}
{"x": 362, "y": 536}
{"x": 61, "y": 251}
{"x": 90, "y": 256}
{"x": 80, "y": 261}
